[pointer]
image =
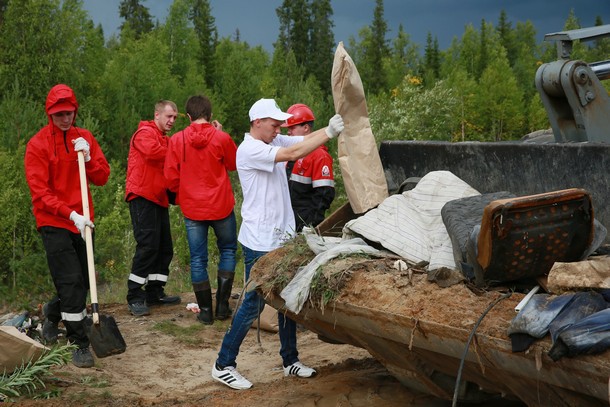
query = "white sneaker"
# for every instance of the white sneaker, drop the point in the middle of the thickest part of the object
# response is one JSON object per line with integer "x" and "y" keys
{"x": 299, "y": 369}
{"x": 231, "y": 377}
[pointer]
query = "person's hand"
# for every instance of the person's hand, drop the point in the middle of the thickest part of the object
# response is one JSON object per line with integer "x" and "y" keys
{"x": 81, "y": 222}
{"x": 216, "y": 124}
{"x": 335, "y": 126}
{"x": 80, "y": 144}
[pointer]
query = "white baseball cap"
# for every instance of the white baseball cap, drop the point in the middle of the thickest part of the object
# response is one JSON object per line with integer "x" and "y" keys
{"x": 267, "y": 108}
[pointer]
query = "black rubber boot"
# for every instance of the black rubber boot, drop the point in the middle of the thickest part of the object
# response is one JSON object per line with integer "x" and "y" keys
{"x": 203, "y": 294}
{"x": 223, "y": 293}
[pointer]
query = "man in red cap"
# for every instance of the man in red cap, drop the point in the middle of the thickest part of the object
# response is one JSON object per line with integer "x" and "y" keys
{"x": 51, "y": 168}
{"x": 311, "y": 181}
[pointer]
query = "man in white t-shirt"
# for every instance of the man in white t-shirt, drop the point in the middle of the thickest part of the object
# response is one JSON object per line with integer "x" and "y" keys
{"x": 267, "y": 223}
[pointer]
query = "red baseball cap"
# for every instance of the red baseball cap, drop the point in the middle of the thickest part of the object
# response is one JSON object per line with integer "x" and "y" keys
{"x": 61, "y": 106}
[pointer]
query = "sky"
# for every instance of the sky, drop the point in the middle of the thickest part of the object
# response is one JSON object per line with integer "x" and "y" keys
{"x": 257, "y": 20}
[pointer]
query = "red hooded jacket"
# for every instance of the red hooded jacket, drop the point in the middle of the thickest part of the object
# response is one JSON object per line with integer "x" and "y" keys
{"x": 147, "y": 150}
{"x": 51, "y": 167}
{"x": 197, "y": 169}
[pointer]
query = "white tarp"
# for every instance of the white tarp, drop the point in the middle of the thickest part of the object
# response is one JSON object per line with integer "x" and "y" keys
{"x": 410, "y": 224}
{"x": 296, "y": 291}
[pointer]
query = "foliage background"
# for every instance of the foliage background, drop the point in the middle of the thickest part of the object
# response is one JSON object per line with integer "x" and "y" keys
{"x": 480, "y": 88}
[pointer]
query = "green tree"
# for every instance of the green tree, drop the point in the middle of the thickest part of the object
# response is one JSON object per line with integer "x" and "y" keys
{"x": 137, "y": 17}
{"x": 306, "y": 30}
{"x": 601, "y": 48}
{"x": 404, "y": 58}
{"x": 285, "y": 79}
{"x": 466, "y": 52}
{"x": 3, "y": 6}
{"x": 526, "y": 58}
{"x": 507, "y": 37}
{"x": 183, "y": 45}
{"x": 322, "y": 44}
{"x": 239, "y": 75}
{"x": 23, "y": 270}
{"x": 432, "y": 60}
{"x": 20, "y": 118}
{"x": 295, "y": 22}
{"x": 500, "y": 100}
{"x": 136, "y": 77}
{"x": 24, "y": 38}
{"x": 483, "y": 54}
{"x": 464, "y": 89}
{"x": 205, "y": 28}
{"x": 378, "y": 49}
{"x": 414, "y": 112}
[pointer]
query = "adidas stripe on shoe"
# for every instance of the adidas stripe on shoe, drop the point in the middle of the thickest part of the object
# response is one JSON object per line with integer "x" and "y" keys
{"x": 299, "y": 369}
{"x": 231, "y": 377}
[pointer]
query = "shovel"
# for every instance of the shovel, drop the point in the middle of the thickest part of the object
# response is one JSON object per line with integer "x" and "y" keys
{"x": 103, "y": 332}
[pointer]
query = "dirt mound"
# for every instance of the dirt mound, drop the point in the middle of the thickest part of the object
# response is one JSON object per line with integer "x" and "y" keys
{"x": 379, "y": 284}
{"x": 169, "y": 356}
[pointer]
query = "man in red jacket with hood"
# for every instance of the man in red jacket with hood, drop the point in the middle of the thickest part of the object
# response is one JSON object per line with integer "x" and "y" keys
{"x": 197, "y": 170}
{"x": 147, "y": 195}
{"x": 51, "y": 168}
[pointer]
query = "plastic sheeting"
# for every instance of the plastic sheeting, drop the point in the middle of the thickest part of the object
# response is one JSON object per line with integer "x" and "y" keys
{"x": 410, "y": 224}
{"x": 296, "y": 291}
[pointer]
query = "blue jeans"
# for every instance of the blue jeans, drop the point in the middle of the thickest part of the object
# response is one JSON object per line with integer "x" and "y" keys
{"x": 248, "y": 311}
{"x": 226, "y": 241}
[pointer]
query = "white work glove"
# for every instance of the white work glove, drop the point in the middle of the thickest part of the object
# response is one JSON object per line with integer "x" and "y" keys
{"x": 80, "y": 144}
{"x": 80, "y": 222}
{"x": 335, "y": 126}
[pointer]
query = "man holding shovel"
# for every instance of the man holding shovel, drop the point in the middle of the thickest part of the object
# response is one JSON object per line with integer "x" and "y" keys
{"x": 51, "y": 168}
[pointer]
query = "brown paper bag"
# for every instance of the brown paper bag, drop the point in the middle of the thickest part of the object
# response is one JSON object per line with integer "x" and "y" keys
{"x": 17, "y": 349}
{"x": 363, "y": 175}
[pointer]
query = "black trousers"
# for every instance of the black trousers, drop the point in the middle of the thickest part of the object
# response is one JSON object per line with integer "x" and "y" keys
{"x": 67, "y": 260}
{"x": 154, "y": 249}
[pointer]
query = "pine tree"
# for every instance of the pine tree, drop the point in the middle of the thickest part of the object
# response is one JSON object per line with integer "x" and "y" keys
{"x": 507, "y": 37}
{"x": 404, "y": 58}
{"x": 432, "y": 62}
{"x": 205, "y": 28}
{"x": 378, "y": 50}
{"x": 483, "y": 54}
{"x": 137, "y": 17}
{"x": 322, "y": 43}
{"x": 295, "y": 22}
{"x": 500, "y": 100}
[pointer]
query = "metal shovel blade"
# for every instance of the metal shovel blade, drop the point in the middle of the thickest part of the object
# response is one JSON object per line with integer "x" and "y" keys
{"x": 105, "y": 337}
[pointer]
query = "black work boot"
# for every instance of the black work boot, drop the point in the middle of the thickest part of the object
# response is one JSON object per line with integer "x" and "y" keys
{"x": 50, "y": 328}
{"x": 155, "y": 295}
{"x": 50, "y": 331}
{"x": 223, "y": 293}
{"x": 82, "y": 357}
{"x": 203, "y": 294}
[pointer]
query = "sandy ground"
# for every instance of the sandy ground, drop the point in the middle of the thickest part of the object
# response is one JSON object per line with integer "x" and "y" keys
{"x": 160, "y": 369}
